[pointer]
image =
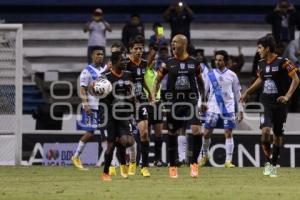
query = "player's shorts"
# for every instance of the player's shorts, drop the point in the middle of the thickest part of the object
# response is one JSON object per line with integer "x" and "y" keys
{"x": 224, "y": 121}
{"x": 117, "y": 128}
{"x": 141, "y": 112}
{"x": 181, "y": 117}
{"x": 155, "y": 113}
{"x": 89, "y": 122}
{"x": 274, "y": 116}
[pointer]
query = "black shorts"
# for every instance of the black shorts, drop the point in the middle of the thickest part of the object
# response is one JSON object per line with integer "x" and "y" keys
{"x": 274, "y": 116}
{"x": 141, "y": 112}
{"x": 155, "y": 113}
{"x": 187, "y": 116}
{"x": 117, "y": 128}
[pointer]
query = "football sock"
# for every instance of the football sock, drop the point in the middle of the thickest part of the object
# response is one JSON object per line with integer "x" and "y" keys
{"x": 79, "y": 149}
{"x": 205, "y": 146}
{"x": 122, "y": 155}
{"x": 145, "y": 151}
{"x": 107, "y": 162}
{"x": 229, "y": 145}
{"x": 266, "y": 146}
{"x": 132, "y": 153}
{"x": 182, "y": 147}
{"x": 157, "y": 148}
{"x": 173, "y": 150}
{"x": 275, "y": 154}
{"x": 197, "y": 147}
{"x": 190, "y": 148}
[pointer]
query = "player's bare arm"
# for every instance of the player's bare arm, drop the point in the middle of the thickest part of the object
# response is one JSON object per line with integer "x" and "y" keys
{"x": 84, "y": 98}
{"x": 293, "y": 87}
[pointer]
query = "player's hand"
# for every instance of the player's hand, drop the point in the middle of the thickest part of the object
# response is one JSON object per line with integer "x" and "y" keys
{"x": 243, "y": 98}
{"x": 240, "y": 117}
{"x": 283, "y": 99}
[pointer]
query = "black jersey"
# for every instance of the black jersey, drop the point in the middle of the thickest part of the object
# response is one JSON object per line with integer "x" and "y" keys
{"x": 182, "y": 79}
{"x": 138, "y": 71}
{"x": 276, "y": 78}
{"x": 121, "y": 95}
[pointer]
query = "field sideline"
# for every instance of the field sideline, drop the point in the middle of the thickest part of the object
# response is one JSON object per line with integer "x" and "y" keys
{"x": 36, "y": 183}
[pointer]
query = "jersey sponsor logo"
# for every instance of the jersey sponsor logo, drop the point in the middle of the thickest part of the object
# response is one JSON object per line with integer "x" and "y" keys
{"x": 270, "y": 87}
{"x": 191, "y": 66}
{"x": 268, "y": 69}
{"x": 182, "y": 83}
{"x": 275, "y": 69}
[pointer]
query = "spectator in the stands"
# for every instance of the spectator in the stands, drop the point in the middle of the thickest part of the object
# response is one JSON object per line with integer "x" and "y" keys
{"x": 235, "y": 63}
{"x": 133, "y": 28}
{"x": 292, "y": 51}
{"x": 158, "y": 39}
{"x": 179, "y": 15}
{"x": 284, "y": 20}
{"x": 199, "y": 55}
{"x": 97, "y": 28}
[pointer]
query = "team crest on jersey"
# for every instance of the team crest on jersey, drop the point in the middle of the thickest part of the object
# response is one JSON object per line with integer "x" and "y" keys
{"x": 182, "y": 65}
{"x": 191, "y": 66}
{"x": 220, "y": 78}
{"x": 138, "y": 71}
{"x": 268, "y": 69}
{"x": 275, "y": 69}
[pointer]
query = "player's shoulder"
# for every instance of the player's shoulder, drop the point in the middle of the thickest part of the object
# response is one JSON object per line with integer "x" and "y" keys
{"x": 231, "y": 73}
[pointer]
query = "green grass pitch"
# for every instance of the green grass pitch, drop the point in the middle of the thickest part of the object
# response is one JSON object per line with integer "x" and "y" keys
{"x": 61, "y": 183}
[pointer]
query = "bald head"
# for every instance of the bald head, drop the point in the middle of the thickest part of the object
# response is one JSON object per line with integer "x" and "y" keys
{"x": 179, "y": 45}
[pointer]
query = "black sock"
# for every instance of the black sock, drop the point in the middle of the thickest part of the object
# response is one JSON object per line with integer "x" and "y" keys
{"x": 145, "y": 153}
{"x": 275, "y": 154}
{"x": 190, "y": 143}
{"x": 266, "y": 146}
{"x": 173, "y": 150}
{"x": 197, "y": 147}
{"x": 157, "y": 148}
{"x": 122, "y": 155}
{"x": 107, "y": 161}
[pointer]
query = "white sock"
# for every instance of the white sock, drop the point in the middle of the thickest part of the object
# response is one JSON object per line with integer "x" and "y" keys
{"x": 79, "y": 149}
{"x": 229, "y": 144}
{"x": 205, "y": 146}
{"x": 132, "y": 153}
{"x": 181, "y": 147}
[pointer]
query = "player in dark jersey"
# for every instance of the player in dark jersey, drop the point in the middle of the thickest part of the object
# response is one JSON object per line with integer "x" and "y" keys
{"x": 274, "y": 75}
{"x": 183, "y": 87}
{"x": 119, "y": 108}
{"x": 137, "y": 66}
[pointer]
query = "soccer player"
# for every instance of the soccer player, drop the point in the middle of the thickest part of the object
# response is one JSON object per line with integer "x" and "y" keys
{"x": 155, "y": 111}
{"x": 274, "y": 75}
{"x": 224, "y": 88}
{"x": 183, "y": 87}
{"x": 119, "y": 129}
{"x": 89, "y": 112}
{"x": 137, "y": 66}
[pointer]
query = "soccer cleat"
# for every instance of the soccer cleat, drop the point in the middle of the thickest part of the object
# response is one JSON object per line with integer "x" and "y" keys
{"x": 273, "y": 172}
{"x": 267, "y": 170}
{"x": 77, "y": 163}
{"x": 112, "y": 171}
{"x": 145, "y": 172}
{"x": 228, "y": 164}
{"x": 124, "y": 171}
{"x": 173, "y": 172}
{"x": 203, "y": 161}
{"x": 194, "y": 170}
{"x": 106, "y": 177}
{"x": 131, "y": 169}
